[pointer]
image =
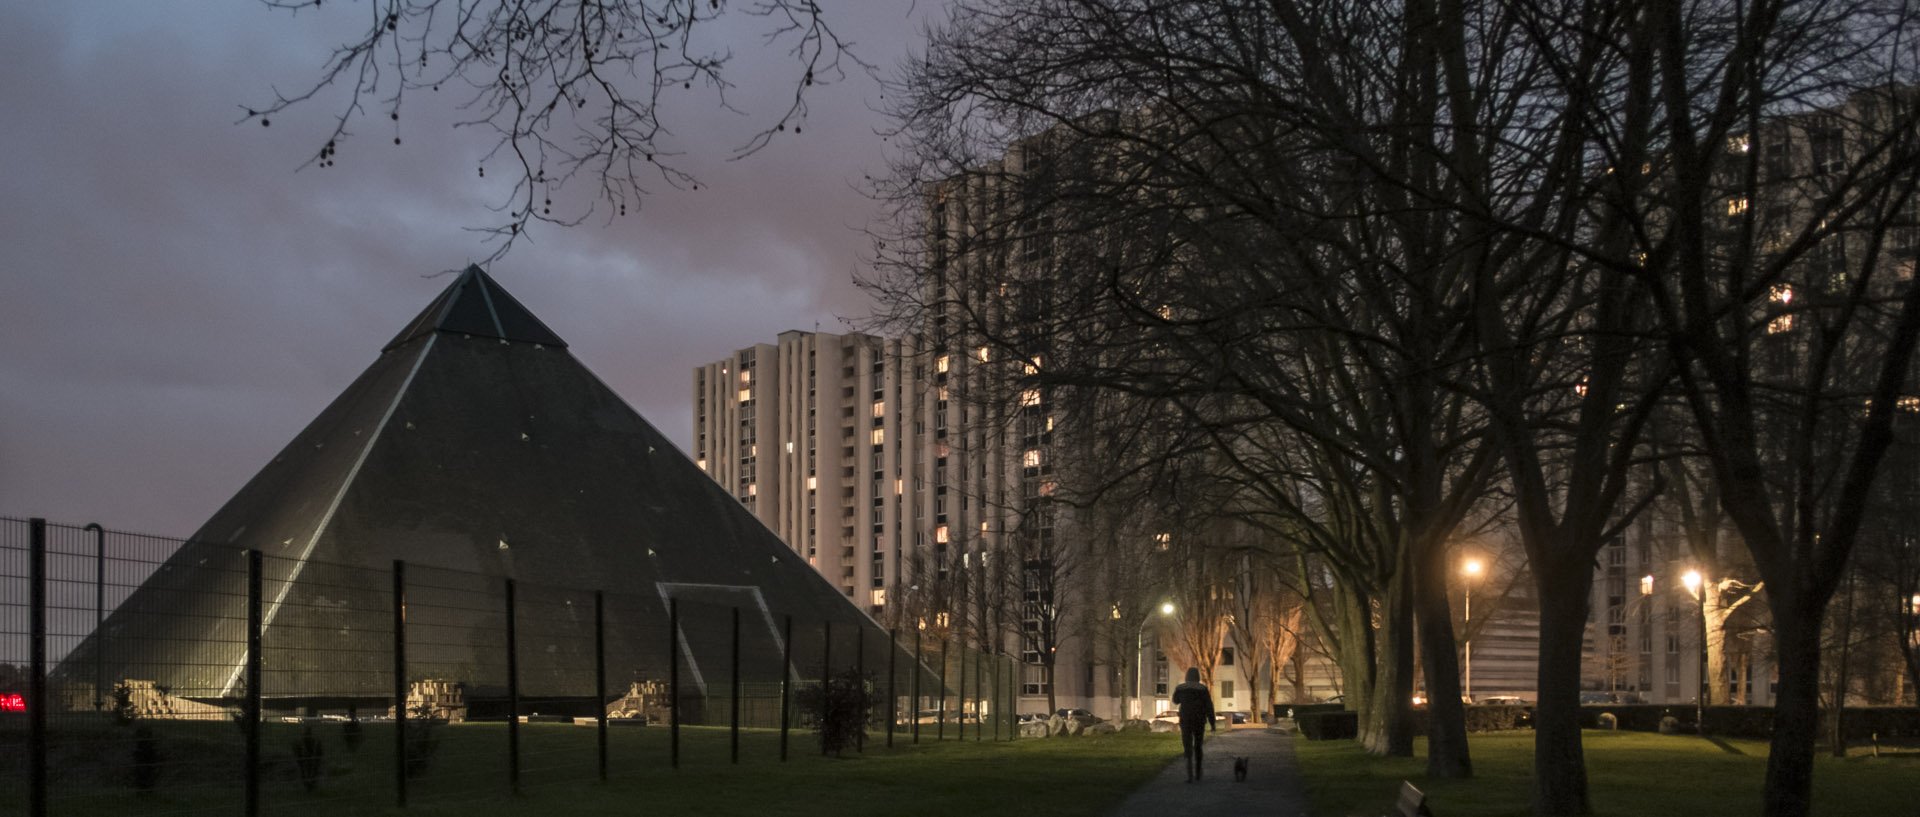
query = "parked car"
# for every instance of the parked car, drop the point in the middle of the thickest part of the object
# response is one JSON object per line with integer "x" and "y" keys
{"x": 1504, "y": 700}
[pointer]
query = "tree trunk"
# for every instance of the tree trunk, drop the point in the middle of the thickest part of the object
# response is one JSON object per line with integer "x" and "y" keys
{"x": 1796, "y": 709}
{"x": 1389, "y": 730}
{"x": 1559, "y": 759}
{"x": 1448, "y": 755}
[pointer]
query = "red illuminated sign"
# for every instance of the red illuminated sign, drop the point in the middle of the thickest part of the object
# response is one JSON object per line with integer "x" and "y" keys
{"x": 13, "y": 703}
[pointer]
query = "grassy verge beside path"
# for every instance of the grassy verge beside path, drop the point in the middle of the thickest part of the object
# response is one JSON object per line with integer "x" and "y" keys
{"x": 1629, "y": 773}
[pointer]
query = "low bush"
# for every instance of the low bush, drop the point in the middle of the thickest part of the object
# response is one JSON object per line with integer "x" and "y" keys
{"x": 1335, "y": 725}
{"x": 309, "y": 757}
{"x": 145, "y": 767}
{"x": 840, "y": 706}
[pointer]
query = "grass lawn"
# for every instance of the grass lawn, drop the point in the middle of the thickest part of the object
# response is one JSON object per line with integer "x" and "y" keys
{"x": 468, "y": 774}
{"x": 1628, "y": 773}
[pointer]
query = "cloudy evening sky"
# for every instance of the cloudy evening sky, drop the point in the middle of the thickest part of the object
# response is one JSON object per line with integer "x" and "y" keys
{"x": 176, "y": 302}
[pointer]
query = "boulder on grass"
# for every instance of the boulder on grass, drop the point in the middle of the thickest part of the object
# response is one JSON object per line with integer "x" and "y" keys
{"x": 1136, "y": 725}
{"x": 1102, "y": 729}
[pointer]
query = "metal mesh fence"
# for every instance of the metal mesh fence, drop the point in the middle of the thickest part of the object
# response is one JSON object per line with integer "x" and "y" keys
{"x": 148, "y": 676}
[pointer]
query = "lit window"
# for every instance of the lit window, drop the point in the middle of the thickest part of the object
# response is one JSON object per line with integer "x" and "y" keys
{"x": 940, "y": 364}
{"x": 1908, "y": 404}
{"x": 753, "y": 489}
{"x": 879, "y": 408}
{"x": 1049, "y": 423}
{"x": 753, "y": 451}
{"x": 1162, "y": 540}
{"x": 1580, "y": 388}
{"x": 702, "y": 463}
{"x": 789, "y": 448}
{"x": 982, "y": 352}
{"x": 1030, "y": 397}
{"x": 1783, "y": 323}
{"x": 1739, "y": 144}
{"x": 745, "y": 395}
{"x": 943, "y": 394}
{"x": 940, "y": 534}
{"x": 879, "y": 597}
{"x": 1646, "y": 585}
{"x": 1047, "y": 488}
{"x": 1737, "y": 205}
{"x": 899, "y": 487}
{"x": 746, "y": 375}
{"x": 1781, "y": 294}
{"x": 1166, "y": 311}
{"x": 879, "y": 436}
{"x": 1031, "y": 459}
{"x": 813, "y": 483}
{"x": 983, "y": 527}
{"x": 1033, "y": 367}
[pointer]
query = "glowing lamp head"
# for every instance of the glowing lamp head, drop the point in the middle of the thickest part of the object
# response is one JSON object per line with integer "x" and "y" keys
{"x": 1691, "y": 580}
{"x": 1166, "y": 609}
{"x": 1472, "y": 567}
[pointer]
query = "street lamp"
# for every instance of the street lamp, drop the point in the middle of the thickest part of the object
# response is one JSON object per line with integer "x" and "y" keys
{"x": 1471, "y": 569}
{"x": 1697, "y": 586}
{"x": 1139, "y": 652}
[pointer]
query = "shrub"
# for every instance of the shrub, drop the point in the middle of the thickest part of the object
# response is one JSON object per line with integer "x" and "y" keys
{"x": 122, "y": 704}
{"x": 145, "y": 767}
{"x": 350, "y": 732}
{"x": 1498, "y": 718}
{"x": 308, "y": 758}
{"x": 840, "y": 705}
{"x": 423, "y": 742}
{"x": 1328, "y": 725}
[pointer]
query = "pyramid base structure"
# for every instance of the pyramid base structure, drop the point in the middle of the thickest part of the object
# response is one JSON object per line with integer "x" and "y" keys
{"x": 482, "y": 481}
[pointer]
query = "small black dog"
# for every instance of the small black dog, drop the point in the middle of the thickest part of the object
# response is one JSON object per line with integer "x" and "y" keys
{"x": 1239, "y": 770}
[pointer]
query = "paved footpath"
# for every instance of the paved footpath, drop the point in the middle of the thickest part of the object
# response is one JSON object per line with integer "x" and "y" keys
{"x": 1272, "y": 788}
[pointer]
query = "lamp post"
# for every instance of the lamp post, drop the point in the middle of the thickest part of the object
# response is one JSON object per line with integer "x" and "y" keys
{"x": 1139, "y": 651}
{"x": 1471, "y": 569}
{"x": 1698, "y": 586}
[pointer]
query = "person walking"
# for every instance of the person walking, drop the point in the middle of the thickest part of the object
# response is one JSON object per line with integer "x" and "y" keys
{"x": 1196, "y": 713}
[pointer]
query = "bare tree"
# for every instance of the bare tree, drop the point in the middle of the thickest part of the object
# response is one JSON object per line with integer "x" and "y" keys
{"x": 1763, "y": 173}
{"x": 575, "y": 92}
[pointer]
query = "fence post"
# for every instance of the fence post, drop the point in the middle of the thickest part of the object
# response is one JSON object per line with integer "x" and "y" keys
{"x": 400, "y": 682}
{"x": 513, "y": 698}
{"x": 918, "y": 663}
{"x": 786, "y": 687}
{"x": 826, "y": 671}
{"x": 860, "y": 669}
{"x": 734, "y": 722}
{"x": 893, "y": 682}
{"x": 99, "y": 612}
{"x": 673, "y": 681}
{"x": 600, "y": 675}
{"x": 252, "y": 707}
{"x": 37, "y": 659}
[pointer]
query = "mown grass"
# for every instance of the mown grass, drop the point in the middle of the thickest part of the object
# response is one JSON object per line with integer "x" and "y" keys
{"x": 468, "y": 774}
{"x": 1629, "y": 773}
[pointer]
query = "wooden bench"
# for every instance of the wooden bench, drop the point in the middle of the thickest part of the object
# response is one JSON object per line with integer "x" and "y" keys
{"x": 1412, "y": 802}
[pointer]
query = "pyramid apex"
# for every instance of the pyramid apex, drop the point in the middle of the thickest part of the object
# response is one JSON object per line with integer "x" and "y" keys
{"x": 475, "y": 304}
